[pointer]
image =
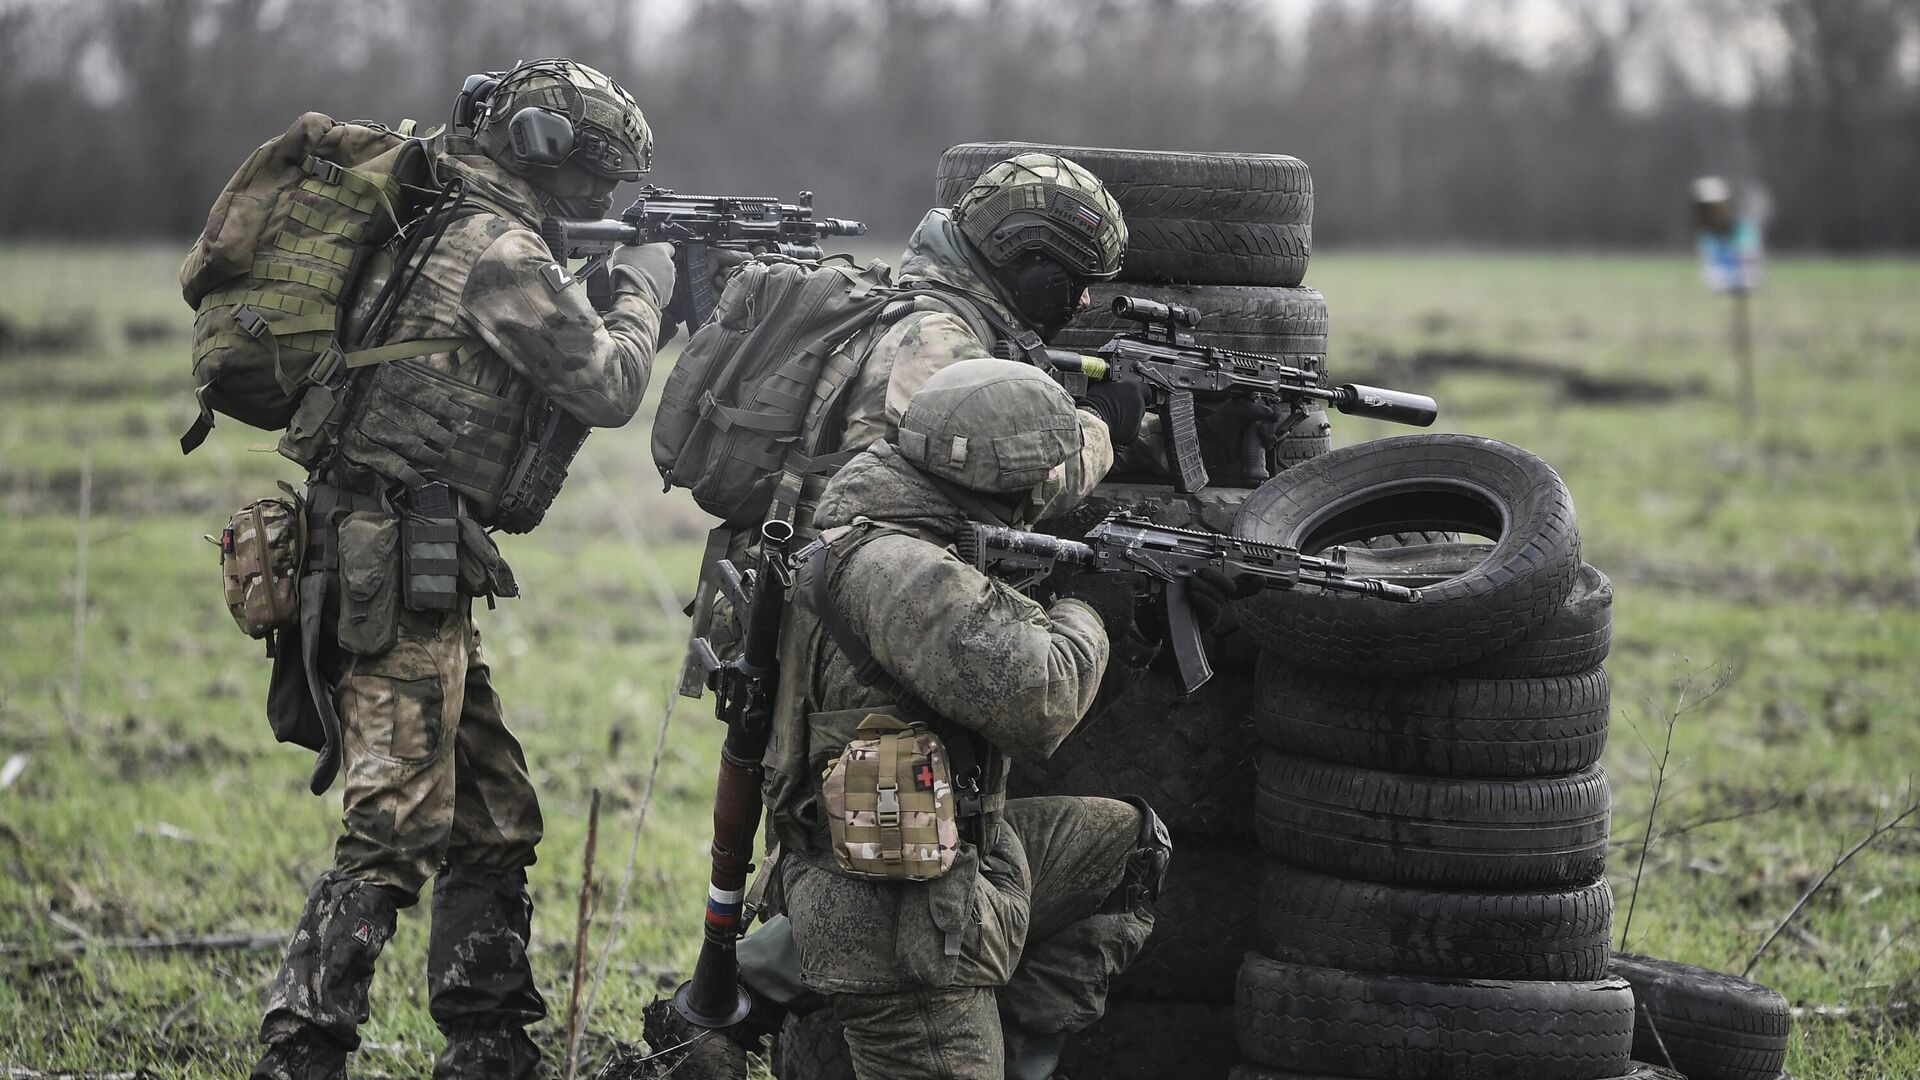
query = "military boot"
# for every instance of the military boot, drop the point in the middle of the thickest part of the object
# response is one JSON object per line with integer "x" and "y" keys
{"x": 318, "y": 1000}
{"x": 1031, "y": 1055}
{"x": 479, "y": 979}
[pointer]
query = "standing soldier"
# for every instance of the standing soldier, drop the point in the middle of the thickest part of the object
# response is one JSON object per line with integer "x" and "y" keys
{"x": 398, "y": 513}
{"x": 964, "y": 940}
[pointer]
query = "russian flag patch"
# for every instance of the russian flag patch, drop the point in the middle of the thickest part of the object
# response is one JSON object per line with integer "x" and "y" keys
{"x": 1086, "y": 215}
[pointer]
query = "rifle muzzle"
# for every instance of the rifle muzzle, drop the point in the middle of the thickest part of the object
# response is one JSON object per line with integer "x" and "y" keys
{"x": 834, "y": 226}
{"x": 1396, "y": 406}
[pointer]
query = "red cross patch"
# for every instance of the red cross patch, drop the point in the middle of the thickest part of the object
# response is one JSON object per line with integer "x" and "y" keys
{"x": 363, "y": 933}
{"x": 923, "y": 778}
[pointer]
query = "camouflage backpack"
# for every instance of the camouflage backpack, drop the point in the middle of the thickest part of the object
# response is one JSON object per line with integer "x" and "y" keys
{"x": 281, "y": 248}
{"x": 743, "y": 416}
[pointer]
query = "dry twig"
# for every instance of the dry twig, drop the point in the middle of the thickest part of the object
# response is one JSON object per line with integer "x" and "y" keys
{"x": 633, "y": 852}
{"x": 1681, "y": 707}
{"x": 1880, "y": 828}
{"x": 580, "y": 937}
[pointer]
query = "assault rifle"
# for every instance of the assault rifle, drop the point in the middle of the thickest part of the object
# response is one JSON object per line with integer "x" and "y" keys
{"x": 693, "y": 223}
{"x": 744, "y": 689}
{"x": 1164, "y": 360}
{"x": 1123, "y": 543}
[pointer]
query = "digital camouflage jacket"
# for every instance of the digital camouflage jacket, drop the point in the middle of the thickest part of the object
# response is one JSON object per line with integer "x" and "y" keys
{"x": 974, "y": 650}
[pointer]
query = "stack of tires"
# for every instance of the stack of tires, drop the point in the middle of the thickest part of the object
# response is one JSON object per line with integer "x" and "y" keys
{"x": 1429, "y": 797}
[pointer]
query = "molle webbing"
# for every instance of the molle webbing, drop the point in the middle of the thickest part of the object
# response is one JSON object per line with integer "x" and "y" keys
{"x": 416, "y": 422}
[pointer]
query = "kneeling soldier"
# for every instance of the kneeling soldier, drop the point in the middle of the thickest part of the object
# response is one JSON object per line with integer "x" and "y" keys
{"x": 957, "y": 934}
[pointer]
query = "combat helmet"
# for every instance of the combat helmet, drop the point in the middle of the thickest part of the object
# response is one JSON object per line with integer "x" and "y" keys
{"x": 1044, "y": 203}
{"x": 993, "y": 426}
{"x": 565, "y": 127}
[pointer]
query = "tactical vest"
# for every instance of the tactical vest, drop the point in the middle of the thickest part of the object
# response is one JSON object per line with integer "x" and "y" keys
{"x": 414, "y": 424}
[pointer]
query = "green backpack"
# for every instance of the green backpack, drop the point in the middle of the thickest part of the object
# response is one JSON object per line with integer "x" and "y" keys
{"x": 282, "y": 245}
{"x": 737, "y": 422}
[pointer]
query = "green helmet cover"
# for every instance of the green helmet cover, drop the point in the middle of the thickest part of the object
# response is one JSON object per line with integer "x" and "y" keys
{"x": 612, "y": 140}
{"x": 1044, "y": 202}
{"x": 988, "y": 425}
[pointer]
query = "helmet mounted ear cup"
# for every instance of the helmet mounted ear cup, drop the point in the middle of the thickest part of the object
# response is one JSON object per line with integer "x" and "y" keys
{"x": 541, "y": 138}
{"x": 472, "y": 98}
{"x": 1043, "y": 291}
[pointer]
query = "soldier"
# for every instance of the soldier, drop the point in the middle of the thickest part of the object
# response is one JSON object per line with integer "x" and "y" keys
{"x": 982, "y": 970}
{"x": 435, "y": 784}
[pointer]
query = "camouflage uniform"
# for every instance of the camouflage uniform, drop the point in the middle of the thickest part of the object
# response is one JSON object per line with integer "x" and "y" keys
{"x": 435, "y": 783}
{"x": 1015, "y": 944}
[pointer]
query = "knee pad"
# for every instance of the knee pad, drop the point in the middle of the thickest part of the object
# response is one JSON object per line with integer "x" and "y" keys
{"x": 1147, "y": 863}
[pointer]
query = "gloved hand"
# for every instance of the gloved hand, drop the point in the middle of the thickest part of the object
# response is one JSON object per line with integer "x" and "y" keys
{"x": 651, "y": 264}
{"x": 1111, "y": 596}
{"x": 721, "y": 263}
{"x": 1210, "y": 590}
{"x": 1119, "y": 405}
{"x": 1223, "y": 432}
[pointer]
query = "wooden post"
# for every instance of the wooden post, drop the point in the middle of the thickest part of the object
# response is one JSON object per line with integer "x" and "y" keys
{"x": 1743, "y": 350}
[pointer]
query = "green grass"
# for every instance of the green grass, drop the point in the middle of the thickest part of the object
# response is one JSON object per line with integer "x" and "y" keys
{"x": 1786, "y": 549}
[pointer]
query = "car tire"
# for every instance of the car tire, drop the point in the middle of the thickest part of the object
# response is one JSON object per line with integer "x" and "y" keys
{"x": 1447, "y": 483}
{"x": 1153, "y": 1040}
{"x": 1290, "y": 323}
{"x": 1435, "y": 725}
{"x": 1205, "y": 920}
{"x": 1201, "y": 219}
{"x": 1707, "y": 1024}
{"x": 1312, "y": 918}
{"x": 1346, "y": 1023}
{"x": 1190, "y": 756}
{"x": 1530, "y": 834}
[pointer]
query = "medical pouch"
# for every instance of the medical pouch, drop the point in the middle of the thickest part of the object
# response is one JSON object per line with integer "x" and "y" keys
{"x": 889, "y": 803}
{"x": 261, "y": 550}
{"x": 369, "y": 582}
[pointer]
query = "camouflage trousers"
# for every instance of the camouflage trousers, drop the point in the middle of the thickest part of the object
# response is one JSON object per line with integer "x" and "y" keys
{"x": 431, "y": 772}
{"x": 1043, "y": 897}
{"x": 434, "y": 784}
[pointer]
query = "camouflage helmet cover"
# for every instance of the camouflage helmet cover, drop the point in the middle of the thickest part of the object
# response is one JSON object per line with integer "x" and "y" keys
{"x": 988, "y": 425}
{"x": 1044, "y": 202}
{"x": 611, "y": 136}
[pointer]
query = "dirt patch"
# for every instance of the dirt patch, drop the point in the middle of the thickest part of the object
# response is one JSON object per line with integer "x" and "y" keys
{"x": 69, "y": 333}
{"x": 1761, "y": 588}
{"x": 1569, "y": 383}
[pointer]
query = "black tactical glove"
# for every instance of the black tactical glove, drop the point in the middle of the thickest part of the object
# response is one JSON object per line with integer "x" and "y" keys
{"x": 1210, "y": 590}
{"x": 1223, "y": 435}
{"x": 1111, "y": 596}
{"x": 1119, "y": 405}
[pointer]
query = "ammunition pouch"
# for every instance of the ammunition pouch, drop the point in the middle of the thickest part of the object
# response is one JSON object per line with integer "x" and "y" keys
{"x": 889, "y": 802}
{"x": 369, "y": 611}
{"x": 539, "y": 470}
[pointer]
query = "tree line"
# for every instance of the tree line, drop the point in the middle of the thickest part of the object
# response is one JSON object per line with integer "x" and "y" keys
{"x": 1423, "y": 124}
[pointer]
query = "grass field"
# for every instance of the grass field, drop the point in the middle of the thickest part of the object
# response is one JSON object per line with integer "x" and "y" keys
{"x": 1781, "y": 553}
